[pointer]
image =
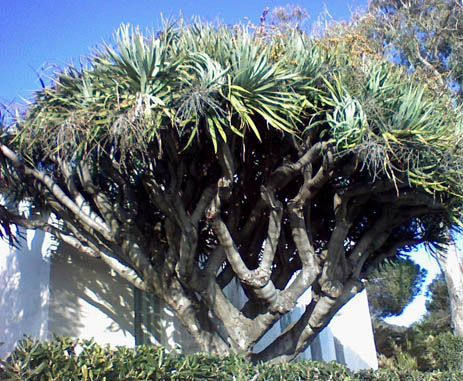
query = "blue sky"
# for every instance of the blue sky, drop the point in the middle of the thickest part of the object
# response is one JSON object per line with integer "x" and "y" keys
{"x": 417, "y": 308}
{"x": 38, "y": 34}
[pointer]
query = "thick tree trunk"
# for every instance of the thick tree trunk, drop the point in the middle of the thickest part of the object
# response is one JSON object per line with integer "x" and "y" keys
{"x": 196, "y": 320}
{"x": 452, "y": 267}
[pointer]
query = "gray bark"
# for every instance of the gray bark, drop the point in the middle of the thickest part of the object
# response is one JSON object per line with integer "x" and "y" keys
{"x": 452, "y": 267}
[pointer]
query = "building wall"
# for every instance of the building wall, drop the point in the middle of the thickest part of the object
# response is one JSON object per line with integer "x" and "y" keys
{"x": 352, "y": 328}
{"x": 24, "y": 291}
{"x": 46, "y": 291}
{"x": 87, "y": 300}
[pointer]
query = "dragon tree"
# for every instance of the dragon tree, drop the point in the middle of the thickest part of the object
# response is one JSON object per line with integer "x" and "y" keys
{"x": 202, "y": 154}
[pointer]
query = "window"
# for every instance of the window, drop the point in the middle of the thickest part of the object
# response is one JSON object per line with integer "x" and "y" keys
{"x": 147, "y": 319}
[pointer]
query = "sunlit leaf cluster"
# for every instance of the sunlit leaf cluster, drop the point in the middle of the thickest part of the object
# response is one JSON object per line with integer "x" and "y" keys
{"x": 211, "y": 82}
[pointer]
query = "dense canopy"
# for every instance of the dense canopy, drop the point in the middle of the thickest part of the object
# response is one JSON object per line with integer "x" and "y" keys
{"x": 201, "y": 154}
{"x": 393, "y": 286}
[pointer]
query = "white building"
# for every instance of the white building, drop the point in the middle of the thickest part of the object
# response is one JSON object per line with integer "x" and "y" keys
{"x": 44, "y": 293}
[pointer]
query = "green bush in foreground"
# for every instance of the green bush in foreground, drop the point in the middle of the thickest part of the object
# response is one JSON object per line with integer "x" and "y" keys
{"x": 58, "y": 360}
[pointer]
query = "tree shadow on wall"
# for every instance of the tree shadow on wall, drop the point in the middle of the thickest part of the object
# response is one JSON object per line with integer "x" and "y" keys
{"x": 24, "y": 275}
{"x": 87, "y": 300}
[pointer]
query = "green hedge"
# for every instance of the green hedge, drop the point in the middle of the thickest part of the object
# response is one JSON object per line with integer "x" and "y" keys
{"x": 58, "y": 360}
{"x": 418, "y": 348}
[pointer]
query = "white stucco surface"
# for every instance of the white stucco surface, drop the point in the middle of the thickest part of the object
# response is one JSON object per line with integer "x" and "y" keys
{"x": 352, "y": 327}
{"x": 88, "y": 301}
{"x": 45, "y": 291}
{"x": 24, "y": 291}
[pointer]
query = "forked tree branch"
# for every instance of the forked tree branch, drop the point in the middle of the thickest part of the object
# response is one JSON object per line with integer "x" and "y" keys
{"x": 298, "y": 336}
{"x": 126, "y": 272}
{"x": 56, "y": 191}
{"x": 79, "y": 199}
